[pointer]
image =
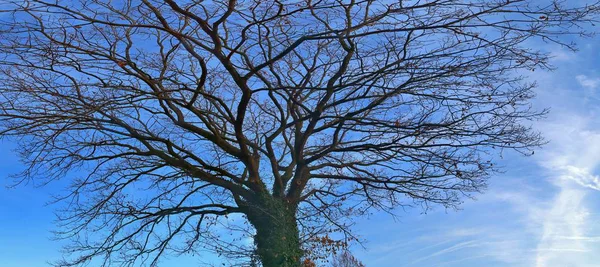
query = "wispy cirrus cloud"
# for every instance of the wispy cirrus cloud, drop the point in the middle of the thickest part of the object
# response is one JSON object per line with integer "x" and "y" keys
{"x": 539, "y": 219}
{"x": 587, "y": 82}
{"x": 543, "y": 212}
{"x": 571, "y": 160}
{"x": 452, "y": 248}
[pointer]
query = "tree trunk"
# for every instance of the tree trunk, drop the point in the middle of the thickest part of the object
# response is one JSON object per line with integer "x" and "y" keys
{"x": 277, "y": 239}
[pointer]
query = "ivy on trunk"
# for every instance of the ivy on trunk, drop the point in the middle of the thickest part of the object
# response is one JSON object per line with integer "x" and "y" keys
{"x": 277, "y": 237}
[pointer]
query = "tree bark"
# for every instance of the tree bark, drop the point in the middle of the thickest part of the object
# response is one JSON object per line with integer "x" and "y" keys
{"x": 277, "y": 239}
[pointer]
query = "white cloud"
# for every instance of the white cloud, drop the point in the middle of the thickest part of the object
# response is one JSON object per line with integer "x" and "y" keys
{"x": 561, "y": 54}
{"x": 581, "y": 176}
{"x": 571, "y": 159}
{"x": 530, "y": 217}
{"x": 567, "y": 218}
{"x": 453, "y": 248}
{"x": 587, "y": 82}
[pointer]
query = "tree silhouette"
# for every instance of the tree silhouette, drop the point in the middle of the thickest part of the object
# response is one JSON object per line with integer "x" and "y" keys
{"x": 346, "y": 259}
{"x": 278, "y": 120}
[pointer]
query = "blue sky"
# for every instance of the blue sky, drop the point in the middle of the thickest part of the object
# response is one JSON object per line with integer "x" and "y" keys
{"x": 544, "y": 211}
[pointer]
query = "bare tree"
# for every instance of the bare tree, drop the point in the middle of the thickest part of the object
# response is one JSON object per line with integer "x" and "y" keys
{"x": 346, "y": 259}
{"x": 172, "y": 119}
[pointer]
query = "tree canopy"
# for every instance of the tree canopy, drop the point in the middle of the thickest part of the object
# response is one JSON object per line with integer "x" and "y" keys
{"x": 171, "y": 119}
